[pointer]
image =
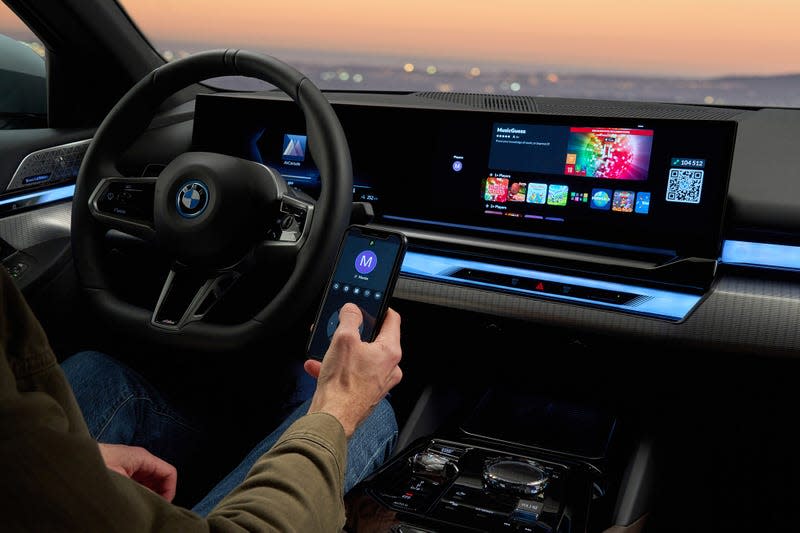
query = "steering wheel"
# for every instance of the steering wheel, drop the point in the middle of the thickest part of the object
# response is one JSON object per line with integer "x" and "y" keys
{"x": 214, "y": 215}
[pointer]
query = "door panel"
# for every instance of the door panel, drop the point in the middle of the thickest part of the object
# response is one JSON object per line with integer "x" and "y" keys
{"x": 37, "y": 176}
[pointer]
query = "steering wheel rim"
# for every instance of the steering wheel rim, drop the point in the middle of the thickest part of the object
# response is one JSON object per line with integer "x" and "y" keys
{"x": 131, "y": 117}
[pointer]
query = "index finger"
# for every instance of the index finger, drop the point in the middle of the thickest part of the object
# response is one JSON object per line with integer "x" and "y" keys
{"x": 390, "y": 330}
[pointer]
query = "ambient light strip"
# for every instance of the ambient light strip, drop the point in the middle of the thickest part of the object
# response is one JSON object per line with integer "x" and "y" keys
{"x": 623, "y": 297}
{"x": 37, "y": 198}
{"x": 761, "y": 255}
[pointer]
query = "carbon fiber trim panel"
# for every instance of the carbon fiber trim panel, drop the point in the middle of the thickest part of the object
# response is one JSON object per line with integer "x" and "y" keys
{"x": 34, "y": 227}
{"x": 741, "y": 315}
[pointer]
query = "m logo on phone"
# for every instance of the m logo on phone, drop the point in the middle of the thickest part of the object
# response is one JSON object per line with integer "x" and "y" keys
{"x": 366, "y": 262}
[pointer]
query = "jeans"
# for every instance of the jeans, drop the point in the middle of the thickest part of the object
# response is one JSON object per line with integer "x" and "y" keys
{"x": 121, "y": 407}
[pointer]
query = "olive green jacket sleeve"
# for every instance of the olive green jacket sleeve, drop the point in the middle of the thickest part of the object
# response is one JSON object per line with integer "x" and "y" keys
{"x": 52, "y": 477}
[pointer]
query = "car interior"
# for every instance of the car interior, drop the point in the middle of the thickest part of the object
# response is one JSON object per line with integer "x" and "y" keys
{"x": 600, "y": 298}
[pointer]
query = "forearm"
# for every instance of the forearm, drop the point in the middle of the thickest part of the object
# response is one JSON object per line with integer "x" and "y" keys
{"x": 296, "y": 486}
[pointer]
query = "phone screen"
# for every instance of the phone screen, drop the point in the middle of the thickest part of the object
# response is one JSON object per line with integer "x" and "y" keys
{"x": 366, "y": 269}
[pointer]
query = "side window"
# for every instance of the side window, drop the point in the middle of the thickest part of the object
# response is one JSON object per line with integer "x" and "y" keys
{"x": 23, "y": 82}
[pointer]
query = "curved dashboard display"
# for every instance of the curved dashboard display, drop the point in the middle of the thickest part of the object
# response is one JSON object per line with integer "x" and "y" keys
{"x": 653, "y": 186}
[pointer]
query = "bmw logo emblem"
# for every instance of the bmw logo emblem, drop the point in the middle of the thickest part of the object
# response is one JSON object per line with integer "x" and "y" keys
{"x": 192, "y": 199}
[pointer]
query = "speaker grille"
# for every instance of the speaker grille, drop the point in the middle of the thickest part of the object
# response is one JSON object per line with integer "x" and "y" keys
{"x": 50, "y": 164}
{"x": 580, "y": 107}
{"x": 494, "y": 102}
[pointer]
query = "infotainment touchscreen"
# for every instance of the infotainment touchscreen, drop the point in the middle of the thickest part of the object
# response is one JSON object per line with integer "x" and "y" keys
{"x": 533, "y": 167}
{"x": 657, "y": 185}
{"x": 654, "y": 185}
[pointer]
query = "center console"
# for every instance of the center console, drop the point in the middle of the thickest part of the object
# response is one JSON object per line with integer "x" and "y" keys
{"x": 474, "y": 478}
{"x": 441, "y": 484}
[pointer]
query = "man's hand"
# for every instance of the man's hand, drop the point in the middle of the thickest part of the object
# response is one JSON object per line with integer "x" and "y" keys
{"x": 141, "y": 466}
{"x": 354, "y": 375}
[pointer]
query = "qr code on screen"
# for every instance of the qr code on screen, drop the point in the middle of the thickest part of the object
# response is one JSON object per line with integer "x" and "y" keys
{"x": 684, "y": 185}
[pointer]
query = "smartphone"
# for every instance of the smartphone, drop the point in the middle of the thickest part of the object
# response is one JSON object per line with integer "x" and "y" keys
{"x": 366, "y": 270}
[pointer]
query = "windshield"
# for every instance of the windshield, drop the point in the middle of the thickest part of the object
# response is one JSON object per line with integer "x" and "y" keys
{"x": 722, "y": 52}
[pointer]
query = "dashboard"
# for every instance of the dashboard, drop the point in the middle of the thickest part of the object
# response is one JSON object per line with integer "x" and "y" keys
{"x": 631, "y": 205}
{"x": 653, "y": 222}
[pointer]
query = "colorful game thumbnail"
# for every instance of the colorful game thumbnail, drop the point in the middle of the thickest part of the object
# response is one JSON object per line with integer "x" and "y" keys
{"x": 601, "y": 199}
{"x": 623, "y": 201}
{"x": 537, "y": 193}
{"x": 496, "y": 189}
{"x": 642, "y": 203}
{"x": 579, "y": 197}
{"x": 516, "y": 192}
{"x": 557, "y": 194}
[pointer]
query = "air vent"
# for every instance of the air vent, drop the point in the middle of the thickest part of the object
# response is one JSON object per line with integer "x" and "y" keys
{"x": 580, "y": 107}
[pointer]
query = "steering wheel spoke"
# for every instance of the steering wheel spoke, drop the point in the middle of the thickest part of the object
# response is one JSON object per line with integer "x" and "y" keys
{"x": 125, "y": 204}
{"x": 294, "y": 221}
{"x": 188, "y": 295}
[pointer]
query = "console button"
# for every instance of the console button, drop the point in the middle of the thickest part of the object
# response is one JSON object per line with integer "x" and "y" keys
{"x": 423, "y": 486}
{"x": 448, "y": 450}
{"x": 461, "y": 494}
{"x": 408, "y": 501}
{"x": 460, "y": 513}
{"x": 527, "y": 511}
{"x": 16, "y": 269}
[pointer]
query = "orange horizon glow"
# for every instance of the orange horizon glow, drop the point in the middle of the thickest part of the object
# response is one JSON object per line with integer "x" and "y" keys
{"x": 681, "y": 37}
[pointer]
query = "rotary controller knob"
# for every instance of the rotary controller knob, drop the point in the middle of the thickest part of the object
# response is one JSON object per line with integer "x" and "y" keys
{"x": 517, "y": 476}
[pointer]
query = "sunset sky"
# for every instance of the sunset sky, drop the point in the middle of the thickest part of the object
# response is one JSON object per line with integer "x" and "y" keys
{"x": 675, "y": 37}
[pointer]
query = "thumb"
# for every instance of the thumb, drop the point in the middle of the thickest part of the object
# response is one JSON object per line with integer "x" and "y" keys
{"x": 119, "y": 470}
{"x": 350, "y": 317}
{"x": 312, "y": 367}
